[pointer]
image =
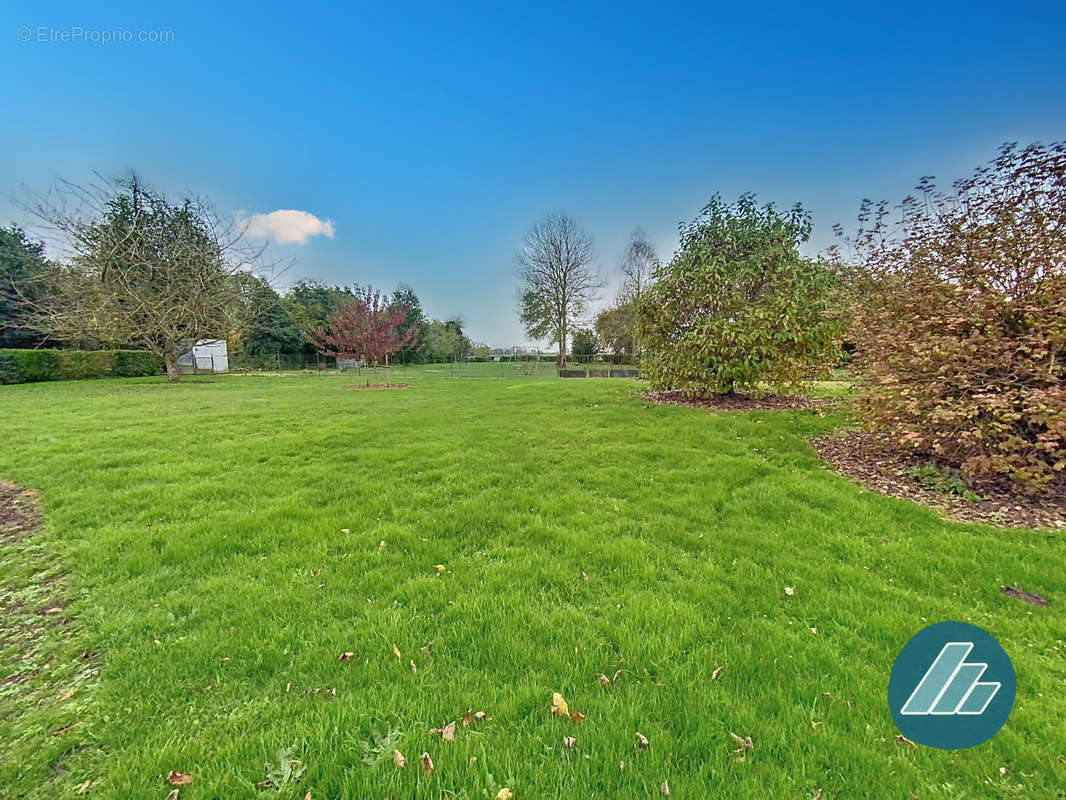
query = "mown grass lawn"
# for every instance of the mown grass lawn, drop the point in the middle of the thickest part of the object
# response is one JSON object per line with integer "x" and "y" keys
{"x": 207, "y": 572}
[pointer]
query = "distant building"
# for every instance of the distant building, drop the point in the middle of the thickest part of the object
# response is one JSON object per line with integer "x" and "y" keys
{"x": 209, "y": 356}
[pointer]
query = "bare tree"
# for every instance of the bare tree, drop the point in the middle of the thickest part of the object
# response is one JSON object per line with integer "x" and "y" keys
{"x": 638, "y": 265}
{"x": 141, "y": 271}
{"x": 556, "y": 283}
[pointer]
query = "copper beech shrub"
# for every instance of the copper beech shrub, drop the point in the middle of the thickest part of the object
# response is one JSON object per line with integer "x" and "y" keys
{"x": 959, "y": 319}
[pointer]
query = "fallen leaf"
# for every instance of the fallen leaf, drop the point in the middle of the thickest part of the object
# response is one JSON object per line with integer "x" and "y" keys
{"x": 1028, "y": 597}
{"x": 577, "y": 716}
{"x": 448, "y": 732}
{"x": 175, "y": 778}
{"x": 617, "y": 674}
{"x": 172, "y": 794}
{"x": 287, "y": 687}
{"x": 413, "y": 665}
{"x": 904, "y": 740}
{"x": 345, "y": 530}
{"x": 67, "y": 695}
{"x": 314, "y": 572}
{"x": 504, "y": 794}
{"x": 814, "y": 631}
{"x": 346, "y": 656}
{"x": 717, "y": 673}
{"x": 466, "y": 718}
{"x": 559, "y": 706}
{"x": 425, "y": 650}
{"x": 84, "y": 787}
{"x": 398, "y": 759}
{"x": 664, "y": 788}
{"x": 308, "y": 795}
{"x": 790, "y": 591}
{"x": 568, "y": 741}
{"x": 621, "y": 766}
{"x": 396, "y": 652}
{"x": 817, "y": 795}
{"x": 479, "y": 716}
{"x": 603, "y": 679}
{"x": 267, "y": 784}
{"x": 427, "y": 763}
{"x": 745, "y": 743}
{"x": 440, "y": 568}
{"x": 642, "y": 740}
{"x": 381, "y": 545}
{"x": 53, "y": 610}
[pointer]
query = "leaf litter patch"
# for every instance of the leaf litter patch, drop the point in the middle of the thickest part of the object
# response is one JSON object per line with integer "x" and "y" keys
{"x": 872, "y": 460}
{"x": 740, "y": 401}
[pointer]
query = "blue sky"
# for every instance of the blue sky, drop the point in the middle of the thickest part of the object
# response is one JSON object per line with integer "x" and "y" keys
{"x": 432, "y": 136}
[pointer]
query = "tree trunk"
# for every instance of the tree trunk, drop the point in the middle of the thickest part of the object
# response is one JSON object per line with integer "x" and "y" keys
{"x": 562, "y": 345}
{"x": 171, "y": 362}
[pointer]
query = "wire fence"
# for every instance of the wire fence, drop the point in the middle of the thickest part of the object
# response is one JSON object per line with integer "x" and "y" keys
{"x": 517, "y": 366}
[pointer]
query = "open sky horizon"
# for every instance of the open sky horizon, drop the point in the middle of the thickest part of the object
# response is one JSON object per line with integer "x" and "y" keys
{"x": 420, "y": 142}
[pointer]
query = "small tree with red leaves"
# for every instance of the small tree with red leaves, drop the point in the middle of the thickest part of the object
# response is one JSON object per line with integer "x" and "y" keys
{"x": 365, "y": 327}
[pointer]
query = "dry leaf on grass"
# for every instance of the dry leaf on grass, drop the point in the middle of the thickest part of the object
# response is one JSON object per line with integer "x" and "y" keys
{"x": 559, "y": 706}
{"x": 621, "y": 766}
{"x": 346, "y": 530}
{"x": 904, "y": 740}
{"x": 396, "y": 652}
{"x": 467, "y": 716}
{"x": 347, "y": 656}
{"x": 398, "y": 759}
{"x": 175, "y": 778}
{"x": 577, "y": 716}
{"x": 745, "y": 743}
{"x": 642, "y": 740}
{"x": 505, "y": 794}
{"x": 413, "y": 666}
{"x": 440, "y": 568}
{"x": 717, "y": 673}
{"x": 427, "y": 763}
{"x": 447, "y": 733}
{"x": 664, "y": 787}
{"x": 381, "y": 545}
{"x": 603, "y": 679}
{"x": 172, "y": 794}
{"x": 84, "y": 787}
{"x": 480, "y": 716}
{"x": 568, "y": 741}
{"x": 790, "y": 591}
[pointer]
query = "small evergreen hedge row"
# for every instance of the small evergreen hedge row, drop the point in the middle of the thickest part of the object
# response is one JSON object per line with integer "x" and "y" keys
{"x": 25, "y": 366}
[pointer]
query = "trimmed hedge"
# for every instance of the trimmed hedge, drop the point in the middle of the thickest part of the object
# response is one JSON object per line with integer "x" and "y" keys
{"x": 26, "y": 366}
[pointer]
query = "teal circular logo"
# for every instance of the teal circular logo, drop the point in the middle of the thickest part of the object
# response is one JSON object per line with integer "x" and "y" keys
{"x": 952, "y": 686}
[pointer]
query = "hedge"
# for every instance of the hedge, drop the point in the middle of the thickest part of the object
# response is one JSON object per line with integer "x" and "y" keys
{"x": 25, "y": 366}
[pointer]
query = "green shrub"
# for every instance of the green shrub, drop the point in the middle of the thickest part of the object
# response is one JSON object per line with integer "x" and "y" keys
{"x": 25, "y": 366}
{"x": 34, "y": 365}
{"x": 76, "y": 364}
{"x": 136, "y": 363}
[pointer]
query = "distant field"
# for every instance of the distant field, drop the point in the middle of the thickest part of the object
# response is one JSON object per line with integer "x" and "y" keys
{"x": 211, "y": 549}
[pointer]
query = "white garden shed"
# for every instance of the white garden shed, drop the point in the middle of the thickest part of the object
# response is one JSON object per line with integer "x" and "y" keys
{"x": 206, "y": 356}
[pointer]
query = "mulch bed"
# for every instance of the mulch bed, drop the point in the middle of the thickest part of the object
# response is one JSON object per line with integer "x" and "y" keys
{"x": 376, "y": 386}
{"x": 19, "y": 514}
{"x": 873, "y": 460}
{"x": 740, "y": 401}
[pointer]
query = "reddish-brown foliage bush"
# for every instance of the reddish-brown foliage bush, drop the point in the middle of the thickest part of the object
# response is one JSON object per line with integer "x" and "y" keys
{"x": 960, "y": 319}
{"x": 367, "y": 327}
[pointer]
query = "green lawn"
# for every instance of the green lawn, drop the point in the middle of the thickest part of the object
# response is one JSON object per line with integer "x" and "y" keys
{"x": 198, "y": 530}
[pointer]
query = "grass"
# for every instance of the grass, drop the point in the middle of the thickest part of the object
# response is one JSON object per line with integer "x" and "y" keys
{"x": 198, "y": 528}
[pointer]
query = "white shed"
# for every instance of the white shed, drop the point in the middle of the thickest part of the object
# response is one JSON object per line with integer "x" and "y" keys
{"x": 207, "y": 355}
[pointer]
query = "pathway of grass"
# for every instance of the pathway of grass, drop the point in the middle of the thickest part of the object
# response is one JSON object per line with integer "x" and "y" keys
{"x": 222, "y": 544}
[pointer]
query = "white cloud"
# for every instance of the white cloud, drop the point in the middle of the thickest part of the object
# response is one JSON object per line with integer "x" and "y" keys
{"x": 285, "y": 226}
